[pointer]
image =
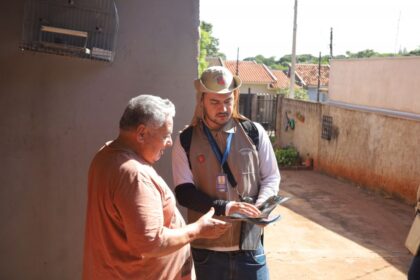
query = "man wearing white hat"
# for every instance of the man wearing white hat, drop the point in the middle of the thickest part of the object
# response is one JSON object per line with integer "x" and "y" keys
{"x": 225, "y": 161}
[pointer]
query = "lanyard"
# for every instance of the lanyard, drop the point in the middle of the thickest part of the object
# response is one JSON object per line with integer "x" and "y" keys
{"x": 214, "y": 147}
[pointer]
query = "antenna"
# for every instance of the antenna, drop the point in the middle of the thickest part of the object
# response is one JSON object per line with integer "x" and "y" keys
{"x": 237, "y": 63}
{"x": 319, "y": 77}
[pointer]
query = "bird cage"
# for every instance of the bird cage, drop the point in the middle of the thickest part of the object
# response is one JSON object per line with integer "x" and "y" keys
{"x": 78, "y": 28}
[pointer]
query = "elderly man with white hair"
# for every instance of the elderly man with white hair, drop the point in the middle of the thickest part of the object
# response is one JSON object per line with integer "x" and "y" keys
{"x": 133, "y": 227}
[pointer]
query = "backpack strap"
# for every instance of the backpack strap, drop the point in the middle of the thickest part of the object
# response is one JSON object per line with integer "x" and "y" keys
{"x": 252, "y": 131}
{"x": 249, "y": 127}
{"x": 185, "y": 138}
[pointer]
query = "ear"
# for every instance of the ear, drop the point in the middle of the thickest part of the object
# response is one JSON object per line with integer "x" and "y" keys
{"x": 140, "y": 132}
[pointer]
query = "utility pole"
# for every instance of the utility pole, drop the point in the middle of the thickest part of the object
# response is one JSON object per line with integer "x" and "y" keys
{"x": 331, "y": 43}
{"x": 319, "y": 77}
{"x": 292, "y": 70}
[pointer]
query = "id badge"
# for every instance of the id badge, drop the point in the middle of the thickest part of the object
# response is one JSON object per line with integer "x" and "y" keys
{"x": 221, "y": 183}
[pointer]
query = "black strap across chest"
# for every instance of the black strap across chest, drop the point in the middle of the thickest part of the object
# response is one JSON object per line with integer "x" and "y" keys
{"x": 250, "y": 129}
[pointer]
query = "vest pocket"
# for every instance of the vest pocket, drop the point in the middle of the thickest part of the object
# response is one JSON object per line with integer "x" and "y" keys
{"x": 248, "y": 166}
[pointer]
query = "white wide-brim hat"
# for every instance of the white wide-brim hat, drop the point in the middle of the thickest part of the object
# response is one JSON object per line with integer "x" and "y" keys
{"x": 217, "y": 79}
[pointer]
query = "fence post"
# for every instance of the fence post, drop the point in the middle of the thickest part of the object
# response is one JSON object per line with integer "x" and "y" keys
{"x": 254, "y": 106}
{"x": 279, "y": 119}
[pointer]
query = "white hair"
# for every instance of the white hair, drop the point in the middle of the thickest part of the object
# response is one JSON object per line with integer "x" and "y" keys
{"x": 148, "y": 110}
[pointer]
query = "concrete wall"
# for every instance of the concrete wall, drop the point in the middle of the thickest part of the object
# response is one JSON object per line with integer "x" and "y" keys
{"x": 56, "y": 112}
{"x": 387, "y": 83}
{"x": 371, "y": 149}
{"x": 306, "y": 134}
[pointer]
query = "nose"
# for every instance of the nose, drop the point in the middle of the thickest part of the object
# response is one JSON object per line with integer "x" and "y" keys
{"x": 223, "y": 107}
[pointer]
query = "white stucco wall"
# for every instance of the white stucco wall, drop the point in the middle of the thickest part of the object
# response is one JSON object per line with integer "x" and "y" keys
{"x": 385, "y": 83}
{"x": 255, "y": 88}
{"x": 56, "y": 112}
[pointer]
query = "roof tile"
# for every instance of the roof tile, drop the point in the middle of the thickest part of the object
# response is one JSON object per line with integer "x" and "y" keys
{"x": 251, "y": 72}
{"x": 282, "y": 80}
{"x": 309, "y": 74}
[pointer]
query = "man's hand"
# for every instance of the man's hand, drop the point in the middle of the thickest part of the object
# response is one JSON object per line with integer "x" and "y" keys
{"x": 210, "y": 228}
{"x": 244, "y": 208}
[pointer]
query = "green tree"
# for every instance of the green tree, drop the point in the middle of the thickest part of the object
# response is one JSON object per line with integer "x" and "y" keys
{"x": 415, "y": 52}
{"x": 362, "y": 54}
{"x": 268, "y": 61}
{"x": 204, "y": 42}
{"x": 300, "y": 93}
{"x": 285, "y": 60}
{"x": 209, "y": 46}
{"x": 212, "y": 46}
{"x": 303, "y": 58}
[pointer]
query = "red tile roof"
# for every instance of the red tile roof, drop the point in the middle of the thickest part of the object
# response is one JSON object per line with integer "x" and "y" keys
{"x": 251, "y": 72}
{"x": 308, "y": 73}
{"x": 282, "y": 80}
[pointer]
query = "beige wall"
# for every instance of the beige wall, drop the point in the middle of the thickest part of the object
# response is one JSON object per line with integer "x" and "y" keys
{"x": 305, "y": 136}
{"x": 371, "y": 149}
{"x": 375, "y": 106}
{"x": 255, "y": 88}
{"x": 55, "y": 112}
{"x": 386, "y": 83}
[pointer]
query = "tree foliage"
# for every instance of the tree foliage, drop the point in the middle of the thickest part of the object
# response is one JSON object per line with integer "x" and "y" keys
{"x": 362, "y": 54}
{"x": 209, "y": 46}
{"x": 284, "y": 61}
{"x": 269, "y": 61}
{"x": 212, "y": 46}
{"x": 300, "y": 93}
{"x": 204, "y": 42}
{"x": 415, "y": 52}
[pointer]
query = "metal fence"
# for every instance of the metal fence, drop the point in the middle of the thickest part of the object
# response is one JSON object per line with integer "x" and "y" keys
{"x": 245, "y": 104}
{"x": 261, "y": 108}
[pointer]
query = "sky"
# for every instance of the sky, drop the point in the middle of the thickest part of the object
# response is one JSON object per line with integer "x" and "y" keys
{"x": 266, "y": 26}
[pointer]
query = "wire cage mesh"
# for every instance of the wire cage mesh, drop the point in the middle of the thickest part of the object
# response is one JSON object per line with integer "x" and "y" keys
{"x": 79, "y": 28}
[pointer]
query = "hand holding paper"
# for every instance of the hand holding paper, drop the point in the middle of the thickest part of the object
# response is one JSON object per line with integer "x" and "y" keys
{"x": 266, "y": 208}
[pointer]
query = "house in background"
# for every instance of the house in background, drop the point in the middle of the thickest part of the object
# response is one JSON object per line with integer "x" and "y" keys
{"x": 307, "y": 77}
{"x": 283, "y": 82}
{"x": 256, "y": 78}
{"x": 259, "y": 79}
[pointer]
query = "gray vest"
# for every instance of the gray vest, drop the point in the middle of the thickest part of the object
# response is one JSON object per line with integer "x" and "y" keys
{"x": 244, "y": 164}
